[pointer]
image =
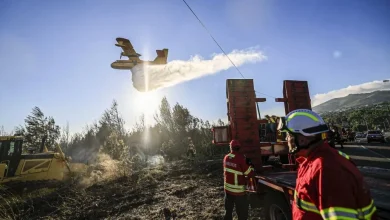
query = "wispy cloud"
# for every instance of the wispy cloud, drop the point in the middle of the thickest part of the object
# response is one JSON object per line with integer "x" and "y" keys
{"x": 337, "y": 54}
{"x": 355, "y": 89}
{"x": 154, "y": 77}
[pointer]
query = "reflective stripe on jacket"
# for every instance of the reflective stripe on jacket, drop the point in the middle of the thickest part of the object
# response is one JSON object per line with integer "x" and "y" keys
{"x": 330, "y": 186}
{"x": 336, "y": 212}
{"x": 235, "y": 170}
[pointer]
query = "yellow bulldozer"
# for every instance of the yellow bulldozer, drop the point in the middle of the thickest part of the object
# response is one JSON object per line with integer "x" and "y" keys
{"x": 32, "y": 166}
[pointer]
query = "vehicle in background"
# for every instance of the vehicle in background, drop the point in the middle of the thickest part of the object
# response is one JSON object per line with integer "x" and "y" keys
{"x": 360, "y": 137}
{"x": 375, "y": 135}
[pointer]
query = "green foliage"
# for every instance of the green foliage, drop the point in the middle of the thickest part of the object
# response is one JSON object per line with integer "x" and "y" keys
{"x": 2, "y": 131}
{"x": 170, "y": 135}
{"x": 37, "y": 125}
{"x": 65, "y": 137}
{"x": 362, "y": 119}
{"x": 114, "y": 145}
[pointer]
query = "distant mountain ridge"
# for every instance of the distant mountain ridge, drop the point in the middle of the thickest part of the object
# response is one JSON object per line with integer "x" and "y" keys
{"x": 353, "y": 101}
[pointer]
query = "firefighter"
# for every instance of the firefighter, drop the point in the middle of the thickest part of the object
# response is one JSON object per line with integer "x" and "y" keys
{"x": 331, "y": 138}
{"x": 338, "y": 136}
{"x": 235, "y": 169}
{"x": 318, "y": 193}
{"x": 191, "y": 152}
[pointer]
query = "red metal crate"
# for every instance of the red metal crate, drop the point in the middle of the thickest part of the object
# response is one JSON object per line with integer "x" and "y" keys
{"x": 241, "y": 103}
{"x": 251, "y": 151}
{"x": 235, "y": 115}
{"x": 247, "y": 93}
{"x": 244, "y": 127}
{"x": 232, "y": 83}
{"x": 242, "y": 110}
{"x": 245, "y": 135}
{"x": 241, "y": 98}
{"x": 246, "y": 118}
{"x": 296, "y": 94}
{"x": 243, "y": 121}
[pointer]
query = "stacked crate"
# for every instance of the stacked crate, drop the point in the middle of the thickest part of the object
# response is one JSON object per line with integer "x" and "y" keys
{"x": 297, "y": 95}
{"x": 242, "y": 115}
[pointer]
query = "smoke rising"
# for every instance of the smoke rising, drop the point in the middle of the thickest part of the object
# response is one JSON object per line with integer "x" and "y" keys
{"x": 153, "y": 77}
{"x": 104, "y": 168}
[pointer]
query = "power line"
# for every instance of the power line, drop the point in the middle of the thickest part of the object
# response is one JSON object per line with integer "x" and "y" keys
{"x": 220, "y": 46}
{"x": 213, "y": 38}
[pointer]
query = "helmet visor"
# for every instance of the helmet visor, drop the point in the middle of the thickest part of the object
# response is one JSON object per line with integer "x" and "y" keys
{"x": 282, "y": 127}
{"x": 316, "y": 129}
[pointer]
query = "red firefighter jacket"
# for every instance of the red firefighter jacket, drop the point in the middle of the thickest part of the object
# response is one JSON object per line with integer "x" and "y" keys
{"x": 330, "y": 186}
{"x": 235, "y": 170}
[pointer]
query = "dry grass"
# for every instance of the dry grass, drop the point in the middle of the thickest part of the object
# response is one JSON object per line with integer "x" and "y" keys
{"x": 189, "y": 190}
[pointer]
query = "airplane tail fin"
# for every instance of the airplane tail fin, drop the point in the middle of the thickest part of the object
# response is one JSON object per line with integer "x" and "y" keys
{"x": 162, "y": 56}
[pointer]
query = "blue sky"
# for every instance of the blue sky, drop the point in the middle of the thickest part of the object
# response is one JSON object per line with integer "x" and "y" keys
{"x": 57, "y": 54}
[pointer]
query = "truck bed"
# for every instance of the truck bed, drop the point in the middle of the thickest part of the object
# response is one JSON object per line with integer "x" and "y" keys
{"x": 379, "y": 186}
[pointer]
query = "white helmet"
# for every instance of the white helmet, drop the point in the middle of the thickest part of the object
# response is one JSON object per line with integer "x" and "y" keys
{"x": 304, "y": 122}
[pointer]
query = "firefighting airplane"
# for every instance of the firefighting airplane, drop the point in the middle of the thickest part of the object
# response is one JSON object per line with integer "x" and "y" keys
{"x": 133, "y": 56}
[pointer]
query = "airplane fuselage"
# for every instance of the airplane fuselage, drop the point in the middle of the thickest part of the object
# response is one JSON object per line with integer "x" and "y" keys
{"x": 133, "y": 56}
{"x": 124, "y": 64}
{"x": 129, "y": 64}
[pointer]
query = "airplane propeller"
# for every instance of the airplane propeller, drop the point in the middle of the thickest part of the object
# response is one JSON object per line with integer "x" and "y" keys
{"x": 120, "y": 56}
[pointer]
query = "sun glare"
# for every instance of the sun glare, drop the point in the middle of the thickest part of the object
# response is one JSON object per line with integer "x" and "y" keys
{"x": 147, "y": 103}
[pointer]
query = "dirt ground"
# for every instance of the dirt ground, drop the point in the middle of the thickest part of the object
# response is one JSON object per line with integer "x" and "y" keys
{"x": 190, "y": 190}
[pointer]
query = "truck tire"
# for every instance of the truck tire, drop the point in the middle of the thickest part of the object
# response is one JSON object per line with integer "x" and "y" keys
{"x": 276, "y": 206}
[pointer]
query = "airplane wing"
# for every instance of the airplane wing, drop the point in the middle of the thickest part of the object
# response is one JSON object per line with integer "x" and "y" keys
{"x": 126, "y": 46}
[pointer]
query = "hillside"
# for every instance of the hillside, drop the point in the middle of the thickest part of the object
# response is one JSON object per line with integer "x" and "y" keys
{"x": 353, "y": 100}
